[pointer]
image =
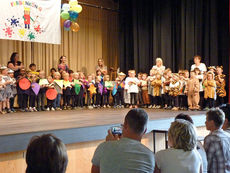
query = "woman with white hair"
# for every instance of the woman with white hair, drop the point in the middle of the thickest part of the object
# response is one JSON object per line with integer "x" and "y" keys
{"x": 159, "y": 66}
{"x": 182, "y": 157}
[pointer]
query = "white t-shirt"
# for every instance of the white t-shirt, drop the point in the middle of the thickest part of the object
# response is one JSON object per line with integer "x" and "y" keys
{"x": 160, "y": 69}
{"x": 178, "y": 161}
{"x": 133, "y": 88}
{"x": 202, "y": 67}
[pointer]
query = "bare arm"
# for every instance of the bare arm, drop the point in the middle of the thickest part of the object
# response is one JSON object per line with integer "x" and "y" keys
{"x": 95, "y": 169}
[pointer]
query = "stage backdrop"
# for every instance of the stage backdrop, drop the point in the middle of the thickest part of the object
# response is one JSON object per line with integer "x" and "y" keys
{"x": 97, "y": 38}
{"x": 28, "y": 20}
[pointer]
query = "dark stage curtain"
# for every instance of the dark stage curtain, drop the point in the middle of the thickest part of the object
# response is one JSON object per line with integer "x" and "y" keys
{"x": 174, "y": 30}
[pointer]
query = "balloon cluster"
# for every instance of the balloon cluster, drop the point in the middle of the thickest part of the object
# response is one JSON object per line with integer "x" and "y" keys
{"x": 69, "y": 15}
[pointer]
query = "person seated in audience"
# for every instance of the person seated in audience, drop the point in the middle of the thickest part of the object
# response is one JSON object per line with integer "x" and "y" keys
{"x": 127, "y": 154}
{"x": 182, "y": 157}
{"x": 199, "y": 146}
{"x": 217, "y": 143}
{"x": 226, "y": 110}
{"x": 46, "y": 154}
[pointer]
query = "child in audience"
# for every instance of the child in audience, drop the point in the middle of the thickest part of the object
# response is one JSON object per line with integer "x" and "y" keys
{"x": 156, "y": 83}
{"x": 107, "y": 87}
{"x": 66, "y": 91}
{"x": 174, "y": 87}
{"x": 32, "y": 96}
{"x": 58, "y": 85}
{"x": 220, "y": 83}
{"x": 209, "y": 90}
{"x": 192, "y": 90}
{"x": 144, "y": 89}
{"x": 2, "y": 94}
{"x": 132, "y": 87}
{"x": 50, "y": 103}
{"x": 13, "y": 88}
{"x": 43, "y": 82}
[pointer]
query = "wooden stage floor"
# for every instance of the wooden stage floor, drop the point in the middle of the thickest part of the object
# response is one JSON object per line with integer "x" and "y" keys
{"x": 19, "y": 123}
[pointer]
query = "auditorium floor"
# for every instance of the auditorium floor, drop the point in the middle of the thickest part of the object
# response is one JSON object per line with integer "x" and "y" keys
{"x": 21, "y": 122}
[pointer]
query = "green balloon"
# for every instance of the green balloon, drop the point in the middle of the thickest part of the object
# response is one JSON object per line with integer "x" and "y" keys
{"x": 65, "y": 15}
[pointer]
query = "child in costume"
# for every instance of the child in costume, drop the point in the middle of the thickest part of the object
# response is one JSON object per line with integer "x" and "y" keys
{"x": 90, "y": 91}
{"x": 192, "y": 90}
{"x": 13, "y": 88}
{"x": 220, "y": 85}
{"x": 58, "y": 85}
{"x": 50, "y": 103}
{"x": 209, "y": 90}
{"x": 32, "y": 96}
{"x": 150, "y": 86}
{"x": 107, "y": 87}
{"x": 144, "y": 89}
{"x": 67, "y": 85}
{"x": 156, "y": 83}
{"x": 2, "y": 94}
{"x": 43, "y": 82}
{"x": 174, "y": 90}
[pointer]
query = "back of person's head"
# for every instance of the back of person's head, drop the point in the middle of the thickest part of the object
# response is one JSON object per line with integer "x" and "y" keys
{"x": 226, "y": 110}
{"x": 46, "y": 154}
{"x": 137, "y": 120}
{"x": 217, "y": 116}
{"x": 183, "y": 116}
{"x": 182, "y": 135}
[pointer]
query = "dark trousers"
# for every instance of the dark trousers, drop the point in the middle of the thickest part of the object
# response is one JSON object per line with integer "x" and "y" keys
{"x": 165, "y": 99}
{"x": 210, "y": 102}
{"x": 219, "y": 101}
{"x": 12, "y": 101}
{"x": 140, "y": 98}
{"x": 183, "y": 101}
{"x": 32, "y": 100}
{"x": 175, "y": 100}
{"x": 81, "y": 98}
{"x": 41, "y": 100}
{"x": 98, "y": 99}
{"x": 157, "y": 100}
{"x": 151, "y": 98}
{"x": 106, "y": 98}
{"x": 120, "y": 96}
{"x": 133, "y": 98}
{"x": 50, "y": 103}
{"x": 66, "y": 100}
{"x": 23, "y": 101}
{"x": 90, "y": 99}
{"x": 202, "y": 100}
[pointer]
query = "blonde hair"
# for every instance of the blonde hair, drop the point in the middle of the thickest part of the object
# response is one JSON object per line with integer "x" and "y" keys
{"x": 159, "y": 59}
{"x": 183, "y": 135}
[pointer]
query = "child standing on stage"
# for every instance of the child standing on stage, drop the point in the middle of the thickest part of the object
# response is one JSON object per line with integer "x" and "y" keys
{"x": 192, "y": 90}
{"x": 144, "y": 89}
{"x": 156, "y": 83}
{"x": 81, "y": 98}
{"x": 150, "y": 87}
{"x": 182, "y": 96}
{"x": 50, "y": 103}
{"x": 66, "y": 91}
{"x": 121, "y": 89}
{"x": 32, "y": 98}
{"x": 90, "y": 91}
{"x": 220, "y": 83}
{"x": 58, "y": 85}
{"x": 13, "y": 88}
{"x": 132, "y": 87}
{"x": 209, "y": 90}
{"x": 42, "y": 81}
{"x": 99, "y": 90}
{"x": 174, "y": 88}
{"x": 165, "y": 88}
{"x": 2, "y": 94}
{"x": 140, "y": 98}
{"x": 107, "y": 87}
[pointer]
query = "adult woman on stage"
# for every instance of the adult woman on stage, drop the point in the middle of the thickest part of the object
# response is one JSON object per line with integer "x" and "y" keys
{"x": 62, "y": 66}
{"x": 159, "y": 66}
{"x": 198, "y": 64}
{"x": 14, "y": 64}
{"x": 100, "y": 66}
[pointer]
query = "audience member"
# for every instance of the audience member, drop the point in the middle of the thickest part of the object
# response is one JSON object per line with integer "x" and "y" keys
{"x": 199, "y": 146}
{"x": 46, "y": 154}
{"x": 182, "y": 157}
{"x": 226, "y": 110}
{"x": 217, "y": 143}
{"x": 126, "y": 155}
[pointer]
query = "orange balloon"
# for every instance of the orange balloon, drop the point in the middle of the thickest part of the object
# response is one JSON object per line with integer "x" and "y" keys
{"x": 75, "y": 27}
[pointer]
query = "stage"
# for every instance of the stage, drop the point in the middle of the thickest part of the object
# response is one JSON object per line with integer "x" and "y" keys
{"x": 74, "y": 126}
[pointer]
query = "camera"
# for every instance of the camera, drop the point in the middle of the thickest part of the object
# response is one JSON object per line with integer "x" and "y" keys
{"x": 116, "y": 130}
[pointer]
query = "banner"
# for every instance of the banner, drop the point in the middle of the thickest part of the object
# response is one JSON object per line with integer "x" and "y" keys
{"x": 31, "y": 20}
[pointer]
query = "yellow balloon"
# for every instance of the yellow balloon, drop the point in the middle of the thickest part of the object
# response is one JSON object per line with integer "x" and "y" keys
{"x": 79, "y": 8}
{"x": 73, "y": 3}
{"x": 73, "y": 9}
{"x": 75, "y": 27}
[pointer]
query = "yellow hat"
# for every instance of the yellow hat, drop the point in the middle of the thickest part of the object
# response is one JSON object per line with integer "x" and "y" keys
{"x": 26, "y": 9}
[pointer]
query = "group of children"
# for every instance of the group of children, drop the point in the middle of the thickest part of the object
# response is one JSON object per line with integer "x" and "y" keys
{"x": 70, "y": 90}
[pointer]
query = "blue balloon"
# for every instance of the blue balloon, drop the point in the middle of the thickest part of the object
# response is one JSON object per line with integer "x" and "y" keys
{"x": 73, "y": 15}
{"x": 67, "y": 29}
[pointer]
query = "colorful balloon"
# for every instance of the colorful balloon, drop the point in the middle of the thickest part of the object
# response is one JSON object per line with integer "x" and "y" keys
{"x": 73, "y": 15}
{"x": 65, "y": 15}
{"x": 79, "y": 8}
{"x": 65, "y": 7}
{"x": 67, "y": 23}
{"x": 75, "y": 27}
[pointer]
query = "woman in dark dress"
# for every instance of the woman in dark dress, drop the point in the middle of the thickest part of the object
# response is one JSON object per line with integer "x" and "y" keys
{"x": 14, "y": 64}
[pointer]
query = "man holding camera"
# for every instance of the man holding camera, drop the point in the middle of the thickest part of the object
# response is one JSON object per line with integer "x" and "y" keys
{"x": 126, "y": 154}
